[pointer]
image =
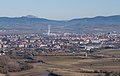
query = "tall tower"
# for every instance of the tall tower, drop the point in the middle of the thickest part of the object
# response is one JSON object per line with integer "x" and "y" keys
{"x": 48, "y": 30}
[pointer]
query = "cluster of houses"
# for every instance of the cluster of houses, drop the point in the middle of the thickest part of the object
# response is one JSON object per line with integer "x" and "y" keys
{"x": 64, "y": 43}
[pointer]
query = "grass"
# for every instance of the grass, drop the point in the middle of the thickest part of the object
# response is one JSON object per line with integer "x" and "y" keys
{"x": 70, "y": 66}
{"x": 110, "y": 52}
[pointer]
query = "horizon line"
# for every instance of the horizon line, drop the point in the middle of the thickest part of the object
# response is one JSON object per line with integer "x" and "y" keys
{"x": 61, "y": 19}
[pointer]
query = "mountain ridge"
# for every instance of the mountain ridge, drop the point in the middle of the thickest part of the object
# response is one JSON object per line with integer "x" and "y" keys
{"x": 31, "y": 22}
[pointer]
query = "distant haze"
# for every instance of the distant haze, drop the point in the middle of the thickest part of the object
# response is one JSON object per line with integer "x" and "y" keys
{"x": 34, "y": 24}
{"x": 59, "y": 9}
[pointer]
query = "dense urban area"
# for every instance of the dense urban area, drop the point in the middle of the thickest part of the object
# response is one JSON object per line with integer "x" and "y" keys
{"x": 19, "y": 51}
{"x": 59, "y": 37}
{"x": 58, "y": 44}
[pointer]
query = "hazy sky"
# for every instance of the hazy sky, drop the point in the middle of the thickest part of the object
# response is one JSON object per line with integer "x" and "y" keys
{"x": 59, "y": 9}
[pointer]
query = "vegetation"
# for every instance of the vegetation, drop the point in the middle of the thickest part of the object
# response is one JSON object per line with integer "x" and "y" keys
{"x": 60, "y": 66}
{"x": 11, "y": 65}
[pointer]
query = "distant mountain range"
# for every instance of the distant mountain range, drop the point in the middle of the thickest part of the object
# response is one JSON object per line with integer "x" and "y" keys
{"x": 29, "y": 22}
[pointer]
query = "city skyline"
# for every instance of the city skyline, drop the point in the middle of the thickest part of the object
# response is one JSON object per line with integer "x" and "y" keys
{"x": 59, "y": 10}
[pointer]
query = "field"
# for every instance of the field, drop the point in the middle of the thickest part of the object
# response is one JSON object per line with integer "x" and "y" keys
{"x": 71, "y": 66}
{"x": 110, "y": 52}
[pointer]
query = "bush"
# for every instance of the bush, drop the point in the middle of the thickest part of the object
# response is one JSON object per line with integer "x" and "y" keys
{"x": 12, "y": 65}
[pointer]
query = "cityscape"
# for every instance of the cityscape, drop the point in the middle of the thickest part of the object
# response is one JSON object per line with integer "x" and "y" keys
{"x": 29, "y": 47}
{"x": 59, "y": 38}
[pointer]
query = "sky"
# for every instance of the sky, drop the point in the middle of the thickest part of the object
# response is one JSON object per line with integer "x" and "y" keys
{"x": 59, "y": 9}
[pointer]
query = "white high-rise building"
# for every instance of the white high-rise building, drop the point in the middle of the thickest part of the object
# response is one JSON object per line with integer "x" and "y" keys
{"x": 48, "y": 30}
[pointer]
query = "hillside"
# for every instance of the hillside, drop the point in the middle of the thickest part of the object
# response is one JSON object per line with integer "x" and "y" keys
{"x": 99, "y": 23}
